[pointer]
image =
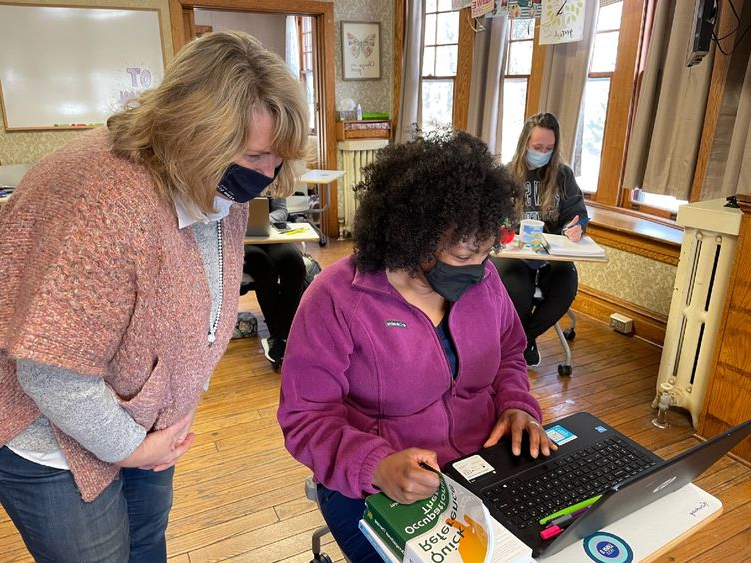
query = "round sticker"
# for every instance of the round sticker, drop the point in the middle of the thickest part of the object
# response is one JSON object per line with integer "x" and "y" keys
{"x": 603, "y": 547}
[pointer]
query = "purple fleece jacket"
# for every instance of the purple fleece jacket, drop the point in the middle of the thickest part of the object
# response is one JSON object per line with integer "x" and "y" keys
{"x": 365, "y": 376}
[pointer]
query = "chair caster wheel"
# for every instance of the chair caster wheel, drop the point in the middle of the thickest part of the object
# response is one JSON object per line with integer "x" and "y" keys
{"x": 564, "y": 370}
{"x": 569, "y": 334}
{"x": 321, "y": 558}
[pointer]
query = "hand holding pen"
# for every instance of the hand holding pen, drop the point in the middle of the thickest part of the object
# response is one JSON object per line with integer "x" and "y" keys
{"x": 574, "y": 229}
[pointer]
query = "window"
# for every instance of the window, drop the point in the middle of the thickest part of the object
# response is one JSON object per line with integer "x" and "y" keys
{"x": 307, "y": 66}
{"x": 515, "y": 83}
{"x": 589, "y": 137}
{"x": 439, "y": 62}
{"x": 655, "y": 204}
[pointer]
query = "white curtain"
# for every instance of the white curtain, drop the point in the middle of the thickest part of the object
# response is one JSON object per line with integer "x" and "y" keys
{"x": 411, "y": 92}
{"x": 669, "y": 118}
{"x": 568, "y": 64}
{"x": 292, "y": 46}
{"x": 486, "y": 89}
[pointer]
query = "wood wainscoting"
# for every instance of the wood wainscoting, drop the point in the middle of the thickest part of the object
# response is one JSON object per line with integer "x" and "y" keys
{"x": 599, "y": 305}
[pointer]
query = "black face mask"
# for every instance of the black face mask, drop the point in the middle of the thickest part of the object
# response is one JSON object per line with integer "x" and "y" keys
{"x": 242, "y": 184}
{"x": 450, "y": 282}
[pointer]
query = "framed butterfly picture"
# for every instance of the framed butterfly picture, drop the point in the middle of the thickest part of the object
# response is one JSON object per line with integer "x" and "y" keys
{"x": 361, "y": 50}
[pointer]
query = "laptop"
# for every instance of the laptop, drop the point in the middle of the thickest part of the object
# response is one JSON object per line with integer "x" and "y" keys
{"x": 520, "y": 491}
{"x": 258, "y": 218}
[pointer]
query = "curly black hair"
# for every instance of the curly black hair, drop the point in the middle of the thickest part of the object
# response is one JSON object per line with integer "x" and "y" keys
{"x": 423, "y": 196}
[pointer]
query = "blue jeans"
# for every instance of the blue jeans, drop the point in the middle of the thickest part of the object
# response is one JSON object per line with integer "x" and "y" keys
{"x": 342, "y": 515}
{"x": 126, "y": 522}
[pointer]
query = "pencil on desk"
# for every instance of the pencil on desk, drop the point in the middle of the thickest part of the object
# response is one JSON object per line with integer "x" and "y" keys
{"x": 294, "y": 231}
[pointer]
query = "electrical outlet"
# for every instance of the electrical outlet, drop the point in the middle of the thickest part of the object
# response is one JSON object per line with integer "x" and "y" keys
{"x": 621, "y": 323}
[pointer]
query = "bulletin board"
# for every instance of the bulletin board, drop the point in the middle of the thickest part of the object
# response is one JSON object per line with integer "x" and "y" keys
{"x": 68, "y": 67}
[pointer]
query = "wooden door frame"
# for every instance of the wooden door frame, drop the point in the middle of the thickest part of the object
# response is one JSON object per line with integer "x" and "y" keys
{"x": 323, "y": 12}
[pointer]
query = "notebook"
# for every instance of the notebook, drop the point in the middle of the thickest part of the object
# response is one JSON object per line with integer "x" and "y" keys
{"x": 258, "y": 218}
{"x": 627, "y": 478}
{"x": 560, "y": 245}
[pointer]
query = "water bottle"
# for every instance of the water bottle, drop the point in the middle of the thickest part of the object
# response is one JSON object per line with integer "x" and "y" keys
{"x": 359, "y": 112}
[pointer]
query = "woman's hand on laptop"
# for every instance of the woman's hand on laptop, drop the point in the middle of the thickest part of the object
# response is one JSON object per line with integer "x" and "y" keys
{"x": 401, "y": 477}
{"x": 516, "y": 422}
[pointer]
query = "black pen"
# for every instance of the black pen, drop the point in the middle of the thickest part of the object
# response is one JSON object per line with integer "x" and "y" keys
{"x": 429, "y": 468}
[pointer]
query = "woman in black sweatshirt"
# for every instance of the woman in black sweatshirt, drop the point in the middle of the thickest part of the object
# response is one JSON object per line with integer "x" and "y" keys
{"x": 550, "y": 194}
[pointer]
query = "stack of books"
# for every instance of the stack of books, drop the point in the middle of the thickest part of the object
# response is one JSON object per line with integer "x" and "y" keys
{"x": 452, "y": 526}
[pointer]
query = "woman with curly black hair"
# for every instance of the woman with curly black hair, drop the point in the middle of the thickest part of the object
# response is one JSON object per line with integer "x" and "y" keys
{"x": 410, "y": 351}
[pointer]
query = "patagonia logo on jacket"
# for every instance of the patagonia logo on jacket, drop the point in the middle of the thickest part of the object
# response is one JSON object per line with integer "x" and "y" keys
{"x": 397, "y": 324}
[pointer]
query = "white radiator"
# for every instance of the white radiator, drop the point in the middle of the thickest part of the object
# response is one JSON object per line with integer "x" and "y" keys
{"x": 353, "y": 156}
{"x": 701, "y": 282}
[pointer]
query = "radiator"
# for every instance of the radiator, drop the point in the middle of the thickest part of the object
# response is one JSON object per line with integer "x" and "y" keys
{"x": 701, "y": 283}
{"x": 353, "y": 156}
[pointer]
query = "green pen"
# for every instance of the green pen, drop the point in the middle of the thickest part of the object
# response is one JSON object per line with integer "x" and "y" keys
{"x": 570, "y": 509}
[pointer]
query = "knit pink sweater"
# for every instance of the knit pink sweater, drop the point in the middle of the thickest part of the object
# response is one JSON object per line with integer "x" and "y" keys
{"x": 98, "y": 279}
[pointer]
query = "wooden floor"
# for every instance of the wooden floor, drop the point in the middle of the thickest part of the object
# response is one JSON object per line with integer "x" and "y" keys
{"x": 239, "y": 495}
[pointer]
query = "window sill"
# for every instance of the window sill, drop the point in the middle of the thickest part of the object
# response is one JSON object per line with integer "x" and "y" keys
{"x": 617, "y": 228}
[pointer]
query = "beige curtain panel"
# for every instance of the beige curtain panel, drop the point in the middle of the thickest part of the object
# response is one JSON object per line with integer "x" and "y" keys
{"x": 410, "y": 104}
{"x": 729, "y": 167}
{"x": 486, "y": 89}
{"x": 568, "y": 64}
{"x": 669, "y": 118}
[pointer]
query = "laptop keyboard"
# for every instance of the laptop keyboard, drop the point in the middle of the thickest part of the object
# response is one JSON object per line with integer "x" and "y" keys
{"x": 529, "y": 497}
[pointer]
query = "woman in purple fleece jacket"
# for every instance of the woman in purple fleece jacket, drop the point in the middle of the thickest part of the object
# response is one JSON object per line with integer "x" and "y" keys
{"x": 410, "y": 351}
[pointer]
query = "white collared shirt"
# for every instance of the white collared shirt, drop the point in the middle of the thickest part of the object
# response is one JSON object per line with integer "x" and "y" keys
{"x": 189, "y": 214}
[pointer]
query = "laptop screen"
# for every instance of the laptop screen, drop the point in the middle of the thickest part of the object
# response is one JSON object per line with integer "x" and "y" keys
{"x": 258, "y": 218}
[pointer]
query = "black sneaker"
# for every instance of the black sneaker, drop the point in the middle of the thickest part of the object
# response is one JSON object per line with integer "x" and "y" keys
{"x": 532, "y": 354}
{"x": 273, "y": 349}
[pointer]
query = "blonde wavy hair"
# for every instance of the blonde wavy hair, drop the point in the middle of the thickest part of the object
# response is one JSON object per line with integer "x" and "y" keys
{"x": 190, "y": 128}
{"x": 520, "y": 169}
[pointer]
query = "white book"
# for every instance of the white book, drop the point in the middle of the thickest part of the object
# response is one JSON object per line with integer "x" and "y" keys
{"x": 560, "y": 245}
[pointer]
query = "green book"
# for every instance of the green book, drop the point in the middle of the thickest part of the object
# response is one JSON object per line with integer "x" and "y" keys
{"x": 452, "y": 526}
{"x": 396, "y": 523}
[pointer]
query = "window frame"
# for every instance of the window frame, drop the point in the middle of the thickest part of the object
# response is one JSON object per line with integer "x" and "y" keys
{"x": 598, "y": 75}
{"x": 618, "y": 116}
{"x": 301, "y": 33}
{"x": 465, "y": 47}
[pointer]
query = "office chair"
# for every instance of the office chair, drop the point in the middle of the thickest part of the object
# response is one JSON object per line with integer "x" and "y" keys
{"x": 311, "y": 491}
{"x": 564, "y": 336}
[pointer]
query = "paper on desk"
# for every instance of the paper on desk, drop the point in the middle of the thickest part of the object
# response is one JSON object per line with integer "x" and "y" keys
{"x": 560, "y": 245}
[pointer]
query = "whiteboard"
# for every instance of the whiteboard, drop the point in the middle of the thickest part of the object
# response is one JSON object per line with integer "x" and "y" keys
{"x": 63, "y": 67}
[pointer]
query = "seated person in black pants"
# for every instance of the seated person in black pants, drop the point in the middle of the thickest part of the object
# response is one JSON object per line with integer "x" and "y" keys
{"x": 279, "y": 272}
{"x": 552, "y": 195}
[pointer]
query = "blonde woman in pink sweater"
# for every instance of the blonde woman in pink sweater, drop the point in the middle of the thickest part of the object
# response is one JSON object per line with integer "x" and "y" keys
{"x": 121, "y": 257}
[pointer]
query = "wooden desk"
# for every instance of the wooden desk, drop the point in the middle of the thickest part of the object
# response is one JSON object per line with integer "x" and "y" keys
{"x": 515, "y": 250}
{"x": 321, "y": 178}
{"x": 649, "y": 532}
{"x": 308, "y": 234}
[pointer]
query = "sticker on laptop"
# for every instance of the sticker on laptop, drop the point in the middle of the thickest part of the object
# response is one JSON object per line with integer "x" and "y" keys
{"x": 604, "y": 547}
{"x": 560, "y": 435}
{"x": 473, "y": 467}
